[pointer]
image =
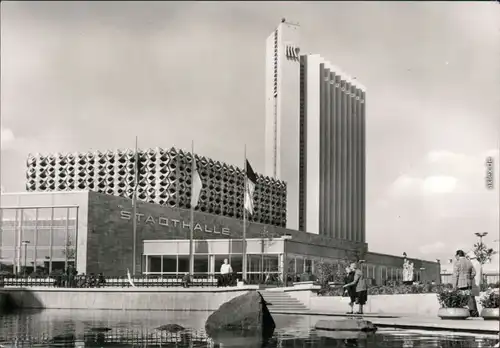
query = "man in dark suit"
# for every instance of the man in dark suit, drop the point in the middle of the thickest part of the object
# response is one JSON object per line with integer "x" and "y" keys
{"x": 463, "y": 279}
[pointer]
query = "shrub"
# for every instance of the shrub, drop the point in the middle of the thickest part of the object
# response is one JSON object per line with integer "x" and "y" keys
{"x": 485, "y": 286}
{"x": 391, "y": 290}
{"x": 452, "y": 298}
{"x": 491, "y": 299}
{"x": 330, "y": 272}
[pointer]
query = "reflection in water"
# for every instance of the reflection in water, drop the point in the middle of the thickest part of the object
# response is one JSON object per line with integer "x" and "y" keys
{"x": 54, "y": 328}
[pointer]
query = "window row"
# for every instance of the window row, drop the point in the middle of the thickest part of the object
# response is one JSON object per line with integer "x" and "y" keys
{"x": 211, "y": 264}
{"x": 43, "y": 237}
{"x": 8, "y": 255}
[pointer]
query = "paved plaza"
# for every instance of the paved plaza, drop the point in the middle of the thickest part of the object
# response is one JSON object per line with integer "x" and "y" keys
{"x": 409, "y": 322}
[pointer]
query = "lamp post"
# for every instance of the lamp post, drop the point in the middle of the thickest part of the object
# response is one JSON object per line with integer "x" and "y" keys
{"x": 25, "y": 244}
{"x": 285, "y": 262}
{"x": 438, "y": 279}
{"x": 481, "y": 235}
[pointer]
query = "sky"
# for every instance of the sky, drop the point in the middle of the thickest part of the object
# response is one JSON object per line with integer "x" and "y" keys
{"x": 79, "y": 76}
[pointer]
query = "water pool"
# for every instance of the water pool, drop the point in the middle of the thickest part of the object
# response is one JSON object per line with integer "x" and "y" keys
{"x": 81, "y": 328}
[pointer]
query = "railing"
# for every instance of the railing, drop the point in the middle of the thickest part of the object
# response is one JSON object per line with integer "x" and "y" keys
{"x": 109, "y": 282}
{"x": 145, "y": 280}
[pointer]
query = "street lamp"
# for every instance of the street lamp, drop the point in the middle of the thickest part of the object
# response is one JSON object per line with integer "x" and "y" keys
{"x": 285, "y": 261}
{"x": 25, "y": 244}
{"x": 481, "y": 235}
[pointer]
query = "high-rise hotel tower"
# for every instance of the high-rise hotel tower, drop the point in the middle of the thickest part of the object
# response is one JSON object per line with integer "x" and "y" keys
{"x": 315, "y": 138}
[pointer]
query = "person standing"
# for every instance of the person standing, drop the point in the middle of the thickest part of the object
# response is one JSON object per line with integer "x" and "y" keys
{"x": 463, "y": 279}
{"x": 361, "y": 287}
{"x": 225, "y": 271}
{"x": 351, "y": 290}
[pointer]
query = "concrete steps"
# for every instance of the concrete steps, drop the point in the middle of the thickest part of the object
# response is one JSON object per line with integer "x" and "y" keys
{"x": 281, "y": 301}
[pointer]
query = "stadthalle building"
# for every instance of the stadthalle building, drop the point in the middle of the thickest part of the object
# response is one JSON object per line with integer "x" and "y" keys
{"x": 78, "y": 207}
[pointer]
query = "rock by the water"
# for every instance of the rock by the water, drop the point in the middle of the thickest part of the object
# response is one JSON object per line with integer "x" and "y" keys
{"x": 346, "y": 325}
{"x": 247, "y": 312}
{"x": 170, "y": 328}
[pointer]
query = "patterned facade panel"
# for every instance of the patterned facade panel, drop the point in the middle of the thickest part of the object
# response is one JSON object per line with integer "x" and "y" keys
{"x": 164, "y": 178}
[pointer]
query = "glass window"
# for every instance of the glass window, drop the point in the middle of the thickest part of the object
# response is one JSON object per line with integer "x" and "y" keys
{"x": 58, "y": 265}
{"x": 200, "y": 263}
{"x": 271, "y": 263}
{"x": 59, "y": 237}
{"x": 8, "y": 238}
{"x": 43, "y": 238}
{"x": 291, "y": 264}
{"x": 155, "y": 264}
{"x": 219, "y": 247}
{"x": 59, "y": 252}
{"x": 308, "y": 266}
{"x": 183, "y": 263}
{"x": 169, "y": 263}
{"x": 42, "y": 253}
{"x": 7, "y": 254}
{"x": 236, "y": 247}
{"x": 28, "y": 234}
{"x": 300, "y": 265}
{"x": 236, "y": 263}
{"x": 254, "y": 263}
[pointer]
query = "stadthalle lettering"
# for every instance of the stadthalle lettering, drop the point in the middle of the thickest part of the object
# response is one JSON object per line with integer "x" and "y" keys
{"x": 163, "y": 221}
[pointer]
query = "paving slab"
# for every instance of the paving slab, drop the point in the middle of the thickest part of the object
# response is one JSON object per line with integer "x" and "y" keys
{"x": 408, "y": 322}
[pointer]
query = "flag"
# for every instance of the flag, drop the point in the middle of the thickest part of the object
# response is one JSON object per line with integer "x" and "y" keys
{"x": 249, "y": 190}
{"x": 129, "y": 278}
{"x": 137, "y": 171}
{"x": 196, "y": 185}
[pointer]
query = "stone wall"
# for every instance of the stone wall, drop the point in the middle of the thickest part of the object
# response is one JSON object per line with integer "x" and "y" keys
{"x": 180, "y": 299}
{"x": 6, "y": 302}
{"x": 425, "y": 305}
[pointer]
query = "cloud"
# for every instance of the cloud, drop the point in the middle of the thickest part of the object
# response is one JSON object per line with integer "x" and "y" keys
{"x": 434, "y": 248}
{"x": 406, "y": 185}
{"x": 439, "y": 184}
{"x": 443, "y": 172}
{"x": 444, "y": 156}
{"x": 7, "y": 137}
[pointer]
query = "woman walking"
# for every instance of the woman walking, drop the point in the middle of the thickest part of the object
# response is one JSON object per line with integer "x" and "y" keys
{"x": 350, "y": 291}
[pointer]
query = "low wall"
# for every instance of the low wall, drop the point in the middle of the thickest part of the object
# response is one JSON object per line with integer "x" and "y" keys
{"x": 409, "y": 304}
{"x": 179, "y": 299}
{"x": 4, "y": 302}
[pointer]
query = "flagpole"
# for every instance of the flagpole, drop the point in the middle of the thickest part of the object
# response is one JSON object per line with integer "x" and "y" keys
{"x": 244, "y": 240}
{"x": 134, "y": 204}
{"x": 191, "y": 223}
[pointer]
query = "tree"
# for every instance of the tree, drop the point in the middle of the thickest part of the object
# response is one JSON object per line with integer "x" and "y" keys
{"x": 325, "y": 272}
{"x": 334, "y": 271}
{"x": 482, "y": 254}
